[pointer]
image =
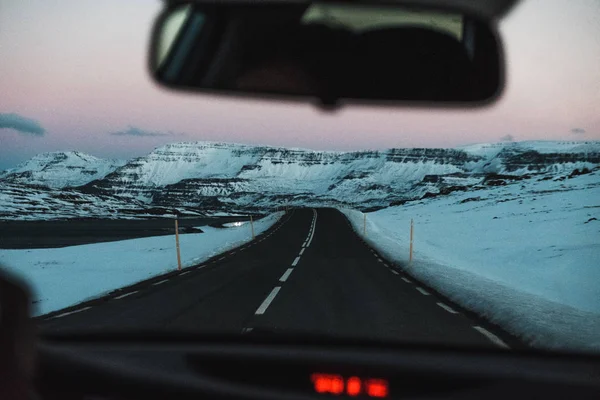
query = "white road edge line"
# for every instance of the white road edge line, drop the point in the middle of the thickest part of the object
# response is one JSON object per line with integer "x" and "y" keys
{"x": 125, "y": 295}
{"x": 184, "y": 273}
{"x": 286, "y": 275}
{"x": 296, "y": 261}
{"x": 160, "y": 283}
{"x": 395, "y": 272}
{"x": 69, "y": 313}
{"x": 422, "y": 291}
{"x": 265, "y": 304}
{"x": 447, "y": 308}
{"x": 406, "y": 280}
{"x": 493, "y": 338}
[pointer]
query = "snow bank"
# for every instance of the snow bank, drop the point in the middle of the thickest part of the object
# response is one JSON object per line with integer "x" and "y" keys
{"x": 66, "y": 276}
{"x": 524, "y": 255}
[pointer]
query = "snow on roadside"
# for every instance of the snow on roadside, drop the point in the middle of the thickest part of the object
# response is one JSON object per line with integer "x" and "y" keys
{"x": 523, "y": 255}
{"x": 65, "y": 276}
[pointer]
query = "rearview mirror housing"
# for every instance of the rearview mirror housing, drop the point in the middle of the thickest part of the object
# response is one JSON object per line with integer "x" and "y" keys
{"x": 329, "y": 52}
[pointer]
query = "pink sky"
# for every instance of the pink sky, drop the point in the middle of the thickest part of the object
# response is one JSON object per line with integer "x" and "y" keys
{"x": 78, "y": 67}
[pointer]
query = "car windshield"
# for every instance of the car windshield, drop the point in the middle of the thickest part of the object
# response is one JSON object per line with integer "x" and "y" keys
{"x": 130, "y": 208}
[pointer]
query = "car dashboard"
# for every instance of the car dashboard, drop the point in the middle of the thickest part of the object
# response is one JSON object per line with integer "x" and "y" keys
{"x": 247, "y": 368}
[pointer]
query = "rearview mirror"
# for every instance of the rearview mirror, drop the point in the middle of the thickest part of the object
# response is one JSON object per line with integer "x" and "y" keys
{"x": 329, "y": 51}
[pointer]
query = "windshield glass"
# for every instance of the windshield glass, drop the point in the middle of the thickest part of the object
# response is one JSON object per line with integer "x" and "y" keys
{"x": 131, "y": 208}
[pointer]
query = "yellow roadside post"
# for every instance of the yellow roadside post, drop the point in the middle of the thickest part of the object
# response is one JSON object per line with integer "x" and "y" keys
{"x": 410, "y": 256}
{"x": 177, "y": 243}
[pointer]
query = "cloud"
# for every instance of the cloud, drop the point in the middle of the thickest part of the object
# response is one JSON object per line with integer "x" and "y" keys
{"x": 507, "y": 138}
{"x": 578, "y": 131}
{"x": 21, "y": 124}
{"x": 137, "y": 132}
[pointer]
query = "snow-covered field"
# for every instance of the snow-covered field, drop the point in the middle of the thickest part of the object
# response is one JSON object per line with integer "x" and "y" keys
{"x": 66, "y": 276}
{"x": 525, "y": 255}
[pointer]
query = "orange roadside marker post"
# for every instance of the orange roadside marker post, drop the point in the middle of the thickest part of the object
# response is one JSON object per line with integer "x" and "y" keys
{"x": 177, "y": 243}
{"x": 410, "y": 256}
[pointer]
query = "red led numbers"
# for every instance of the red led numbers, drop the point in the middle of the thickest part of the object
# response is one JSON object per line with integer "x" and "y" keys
{"x": 353, "y": 386}
{"x": 337, "y": 384}
{"x": 321, "y": 383}
{"x": 377, "y": 388}
{"x": 324, "y": 383}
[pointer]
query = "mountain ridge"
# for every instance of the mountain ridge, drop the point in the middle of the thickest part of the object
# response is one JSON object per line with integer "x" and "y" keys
{"x": 60, "y": 169}
{"x": 219, "y": 176}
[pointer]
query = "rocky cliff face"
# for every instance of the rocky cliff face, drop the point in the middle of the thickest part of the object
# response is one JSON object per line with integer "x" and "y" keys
{"x": 230, "y": 177}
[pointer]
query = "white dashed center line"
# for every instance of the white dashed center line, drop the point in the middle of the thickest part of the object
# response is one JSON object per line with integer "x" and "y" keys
{"x": 312, "y": 229}
{"x": 286, "y": 275}
{"x": 395, "y": 272}
{"x": 302, "y": 251}
{"x": 422, "y": 291}
{"x": 70, "y": 312}
{"x": 184, "y": 273}
{"x": 447, "y": 308}
{"x": 493, "y": 338}
{"x": 406, "y": 280}
{"x": 265, "y": 304}
{"x": 296, "y": 261}
{"x": 125, "y": 295}
{"x": 160, "y": 283}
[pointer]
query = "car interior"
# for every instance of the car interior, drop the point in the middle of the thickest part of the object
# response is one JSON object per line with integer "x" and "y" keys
{"x": 273, "y": 50}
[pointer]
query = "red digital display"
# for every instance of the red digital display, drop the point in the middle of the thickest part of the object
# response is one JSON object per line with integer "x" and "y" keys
{"x": 377, "y": 388}
{"x": 353, "y": 386}
{"x": 336, "y": 385}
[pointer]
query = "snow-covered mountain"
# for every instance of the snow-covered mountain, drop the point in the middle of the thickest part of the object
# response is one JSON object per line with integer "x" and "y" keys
{"x": 191, "y": 174}
{"x": 211, "y": 177}
{"x": 239, "y": 175}
{"x": 60, "y": 169}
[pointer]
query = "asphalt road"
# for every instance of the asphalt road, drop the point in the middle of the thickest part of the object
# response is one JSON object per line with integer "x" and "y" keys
{"x": 46, "y": 234}
{"x": 308, "y": 275}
